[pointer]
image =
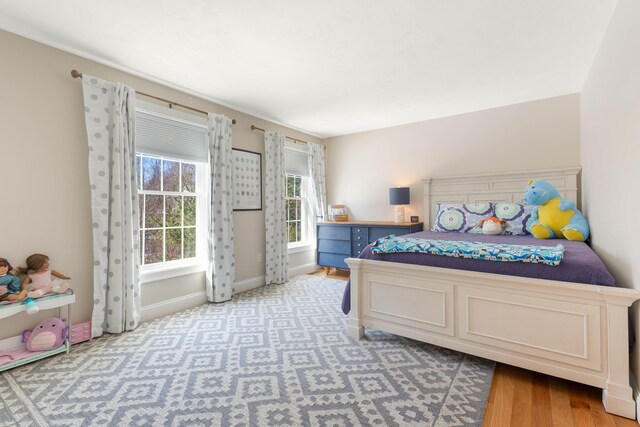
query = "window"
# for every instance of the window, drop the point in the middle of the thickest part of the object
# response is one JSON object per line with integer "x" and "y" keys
{"x": 298, "y": 212}
{"x": 294, "y": 209}
{"x": 169, "y": 197}
{"x": 172, "y": 170}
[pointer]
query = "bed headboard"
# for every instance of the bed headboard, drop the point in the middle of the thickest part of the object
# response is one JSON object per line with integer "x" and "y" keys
{"x": 495, "y": 187}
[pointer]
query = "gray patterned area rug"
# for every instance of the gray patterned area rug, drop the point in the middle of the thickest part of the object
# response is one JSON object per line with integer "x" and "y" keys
{"x": 273, "y": 356}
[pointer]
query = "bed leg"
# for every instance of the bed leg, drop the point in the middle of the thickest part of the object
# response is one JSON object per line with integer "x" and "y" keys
{"x": 617, "y": 396}
{"x": 355, "y": 328}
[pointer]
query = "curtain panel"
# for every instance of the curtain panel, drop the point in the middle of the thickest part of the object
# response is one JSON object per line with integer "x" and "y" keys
{"x": 318, "y": 178}
{"x": 276, "y": 251}
{"x": 110, "y": 122}
{"x": 221, "y": 268}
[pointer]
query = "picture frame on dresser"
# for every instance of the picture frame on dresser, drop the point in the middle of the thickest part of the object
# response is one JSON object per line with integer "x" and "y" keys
{"x": 247, "y": 180}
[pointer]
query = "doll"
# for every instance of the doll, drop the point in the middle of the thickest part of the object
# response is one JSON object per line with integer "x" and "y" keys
{"x": 15, "y": 291}
{"x": 492, "y": 225}
{"x": 38, "y": 280}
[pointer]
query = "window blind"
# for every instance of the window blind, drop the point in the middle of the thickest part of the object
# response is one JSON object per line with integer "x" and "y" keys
{"x": 166, "y": 137}
{"x": 296, "y": 162}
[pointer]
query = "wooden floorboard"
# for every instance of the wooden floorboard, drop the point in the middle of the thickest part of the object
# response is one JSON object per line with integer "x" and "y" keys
{"x": 519, "y": 397}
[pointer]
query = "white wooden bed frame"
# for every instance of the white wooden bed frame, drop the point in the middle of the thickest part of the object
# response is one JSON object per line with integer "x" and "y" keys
{"x": 568, "y": 330}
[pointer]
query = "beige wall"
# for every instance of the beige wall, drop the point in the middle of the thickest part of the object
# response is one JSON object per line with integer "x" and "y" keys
{"x": 45, "y": 181}
{"x": 610, "y": 151}
{"x": 533, "y": 135}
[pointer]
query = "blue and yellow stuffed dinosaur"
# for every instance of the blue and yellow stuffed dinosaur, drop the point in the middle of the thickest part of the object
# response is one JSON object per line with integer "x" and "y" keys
{"x": 555, "y": 217}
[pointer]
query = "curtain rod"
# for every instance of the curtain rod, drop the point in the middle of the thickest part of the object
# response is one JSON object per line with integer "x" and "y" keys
{"x": 76, "y": 74}
{"x": 288, "y": 137}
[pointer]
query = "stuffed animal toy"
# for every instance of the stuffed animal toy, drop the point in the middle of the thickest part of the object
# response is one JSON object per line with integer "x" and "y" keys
{"x": 492, "y": 225}
{"x": 49, "y": 334}
{"x": 555, "y": 217}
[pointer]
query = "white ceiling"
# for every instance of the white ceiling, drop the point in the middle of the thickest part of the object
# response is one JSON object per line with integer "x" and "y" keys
{"x": 333, "y": 67}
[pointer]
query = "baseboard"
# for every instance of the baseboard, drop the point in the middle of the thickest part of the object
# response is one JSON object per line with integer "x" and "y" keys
{"x": 636, "y": 394}
{"x": 247, "y": 285}
{"x": 12, "y": 342}
{"x": 256, "y": 282}
{"x": 163, "y": 308}
{"x": 303, "y": 269}
{"x": 636, "y": 397}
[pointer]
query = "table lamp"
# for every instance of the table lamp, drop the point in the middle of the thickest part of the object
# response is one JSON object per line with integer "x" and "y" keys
{"x": 399, "y": 196}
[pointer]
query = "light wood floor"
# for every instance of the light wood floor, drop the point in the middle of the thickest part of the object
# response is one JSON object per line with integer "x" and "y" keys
{"x": 524, "y": 398}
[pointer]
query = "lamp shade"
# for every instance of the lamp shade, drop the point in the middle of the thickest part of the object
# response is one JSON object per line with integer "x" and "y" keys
{"x": 399, "y": 196}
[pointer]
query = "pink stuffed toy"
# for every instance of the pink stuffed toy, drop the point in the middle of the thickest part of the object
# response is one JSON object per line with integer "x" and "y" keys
{"x": 49, "y": 334}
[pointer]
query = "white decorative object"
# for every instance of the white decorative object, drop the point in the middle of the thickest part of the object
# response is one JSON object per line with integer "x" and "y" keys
{"x": 247, "y": 180}
{"x": 221, "y": 272}
{"x": 276, "y": 255}
{"x": 110, "y": 122}
{"x": 398, "y": 214}
{"x": 569, "y": 330}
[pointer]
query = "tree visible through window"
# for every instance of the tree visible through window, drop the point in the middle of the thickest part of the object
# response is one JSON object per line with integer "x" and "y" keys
{"x": 294, "y": 208}
{"x": 168, "y": 203}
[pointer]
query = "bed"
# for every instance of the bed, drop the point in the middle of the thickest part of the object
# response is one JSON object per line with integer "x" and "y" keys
{"x": 548, "y": 324}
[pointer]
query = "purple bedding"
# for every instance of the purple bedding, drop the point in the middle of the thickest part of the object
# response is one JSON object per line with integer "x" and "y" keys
{"x": 580, "y": 264}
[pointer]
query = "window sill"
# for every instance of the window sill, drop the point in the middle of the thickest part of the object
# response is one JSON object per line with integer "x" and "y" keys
{"x": 150, "y": 274}
{"x": 292, "y": 249}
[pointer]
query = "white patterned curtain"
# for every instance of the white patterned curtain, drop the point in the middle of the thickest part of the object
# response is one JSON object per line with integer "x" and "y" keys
{"x": 221, "y": 269}
{"x": 276, "y": 255}
{"x": 318, "y": 178}
{"x": 110, "y": 121}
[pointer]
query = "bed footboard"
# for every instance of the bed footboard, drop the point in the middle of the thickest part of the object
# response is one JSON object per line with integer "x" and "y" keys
{"x": 569, "y": 330}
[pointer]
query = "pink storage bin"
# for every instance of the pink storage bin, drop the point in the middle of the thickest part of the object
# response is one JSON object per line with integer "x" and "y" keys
{"x": 81, "y": 332}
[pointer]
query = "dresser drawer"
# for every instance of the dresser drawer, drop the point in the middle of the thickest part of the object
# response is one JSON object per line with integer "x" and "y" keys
{"x": 359, "y": 230}
{"x": 357, "y": 247}
{"x": 334, "y": 232}
{"x": 334, "y": 246}
{"x": 332, "y": 260}
{"x": 360, "y": 238}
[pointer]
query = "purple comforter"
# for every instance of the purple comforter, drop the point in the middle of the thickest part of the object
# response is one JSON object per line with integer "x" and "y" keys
{"x": 580, "y": 263}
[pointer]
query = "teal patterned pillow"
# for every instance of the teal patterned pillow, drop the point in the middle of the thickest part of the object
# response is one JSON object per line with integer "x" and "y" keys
{"x": 517, "y": 217}
{"x": 462, "y": 218}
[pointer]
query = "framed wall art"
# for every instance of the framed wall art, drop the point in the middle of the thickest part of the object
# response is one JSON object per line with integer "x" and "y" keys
{"x": 247, "y": 180}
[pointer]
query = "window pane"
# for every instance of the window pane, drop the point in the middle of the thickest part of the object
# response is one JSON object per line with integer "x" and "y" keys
{"x": 153, "y": 246}
{"x": 151, "y": 174}
{"x": 290, "y": 184}
{"x": 189, "y": 210}
{"x": 292, "y": 231}
{"x": 189, "y": 177}
{"x": 298, "y": 210}
{"x": 173, "y": 250}
{"x": 291, "y": 209}
{"x": 298, "y": 231}
{"x": 173, "y": 211}
{"x": 138, "y": 177}
{"x": 141, "y": 246}
{"x": 297, "y": 186}
{"x": 189, "y": 242}
{"x": 170, "y": 175}
{"x": 153, "y": 211}
{"x": 141, "y": 211}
